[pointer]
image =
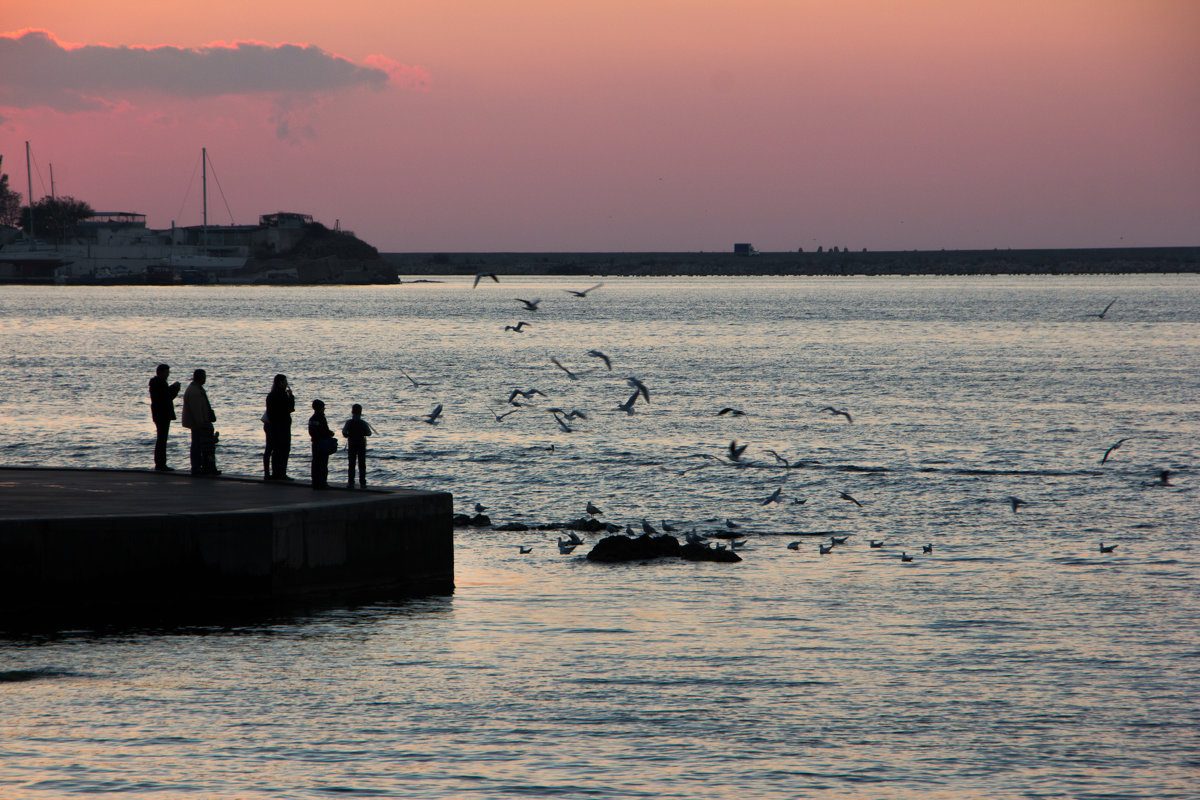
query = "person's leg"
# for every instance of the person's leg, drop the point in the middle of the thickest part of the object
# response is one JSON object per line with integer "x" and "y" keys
{"x": 351, "y": 462}
{"x": 362, "y": 468}
{"x": 267, "y": 454}
{"x": 160, "y": 444}
{"x": 196, "y": 452}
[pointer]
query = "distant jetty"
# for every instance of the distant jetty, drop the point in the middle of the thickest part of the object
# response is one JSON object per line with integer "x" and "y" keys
{"x": 1101, "y": 261}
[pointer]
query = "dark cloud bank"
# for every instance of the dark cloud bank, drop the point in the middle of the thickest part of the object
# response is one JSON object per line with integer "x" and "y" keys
{"x": 36, "y": 70}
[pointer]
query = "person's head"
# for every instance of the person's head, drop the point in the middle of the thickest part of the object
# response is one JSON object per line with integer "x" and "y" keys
{"x": 162, "y": 371}
{"x": 356, "y": 410}
{"x": 199, "y": 376}
{"x": 318, "y": 406}
{"x": 281, "y": 381}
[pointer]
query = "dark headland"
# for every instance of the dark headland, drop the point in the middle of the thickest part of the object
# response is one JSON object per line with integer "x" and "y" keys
{"x": 1101, "y": 261}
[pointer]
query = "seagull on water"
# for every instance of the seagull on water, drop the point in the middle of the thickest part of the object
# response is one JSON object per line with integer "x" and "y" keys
{"x": 733, "y": 526}
{"x": 926, "y": 548}
{"x": 558, "y": 364}
{"x": 1116, "y": 446}
{"x": 1105, "y": 311}
{"x": 838, "y": 412}
{"x": 516, "y": 328}
{"x": 432, "y": 417}
{"x": 525, "y": 550}
{"x": 794, "y": 545}
{"x": 846, "y": 496}
{"x": 905, "y": 557}
{"x": 597, "y": 354}
{"x": 530, "y": 305}
{"x": 1107, "y": 548}
{"x": 876, "y": 544}
{"x": 565, "y": 546}
{"x": 481, "y": 275}
{"x": 838, "y": 539}
{"x": 825, "y": 549}
{"x": 584, "y": 292}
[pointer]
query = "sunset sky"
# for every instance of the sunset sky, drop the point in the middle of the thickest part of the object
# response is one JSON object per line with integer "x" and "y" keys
{"x": 622, "y": 125}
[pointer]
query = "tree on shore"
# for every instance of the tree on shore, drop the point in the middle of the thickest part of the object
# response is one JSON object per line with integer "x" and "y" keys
{"x": 56, "y": 218}
{"x": 10, "y": 202}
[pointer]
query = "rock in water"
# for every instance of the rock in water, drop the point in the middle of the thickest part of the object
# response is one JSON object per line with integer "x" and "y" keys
{"x": 614, "y": 549}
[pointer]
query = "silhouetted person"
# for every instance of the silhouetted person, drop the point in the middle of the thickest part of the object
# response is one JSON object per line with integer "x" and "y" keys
{"x": 162, "y": 411}
{"x": 356, "y": 430}
{"x": 323, "y": 445}
{"x": 280, "y": 405}
{"x": 198, "y": 417}
{"x": 266, "y": 448}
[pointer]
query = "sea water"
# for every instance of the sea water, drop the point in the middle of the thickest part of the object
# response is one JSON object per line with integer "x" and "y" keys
{"x": 1014, "y": 660}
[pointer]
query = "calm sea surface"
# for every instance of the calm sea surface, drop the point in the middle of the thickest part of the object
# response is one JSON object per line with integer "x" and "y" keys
{"x": 1015, "y": 660}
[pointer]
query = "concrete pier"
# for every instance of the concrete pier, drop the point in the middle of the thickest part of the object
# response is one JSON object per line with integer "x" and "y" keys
{"x": 131, "y": 541}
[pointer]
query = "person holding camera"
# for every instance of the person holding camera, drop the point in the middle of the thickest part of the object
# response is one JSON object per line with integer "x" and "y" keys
{"x": 280, "y": 405}
{"x": 162, "y": 411}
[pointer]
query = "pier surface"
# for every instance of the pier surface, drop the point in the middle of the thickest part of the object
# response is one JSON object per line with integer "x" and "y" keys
{"x": 125, "y": 540}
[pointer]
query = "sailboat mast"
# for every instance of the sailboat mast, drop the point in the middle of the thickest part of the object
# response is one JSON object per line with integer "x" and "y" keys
{"x": 29, "y": 179}
{"x": 204, "y": 183}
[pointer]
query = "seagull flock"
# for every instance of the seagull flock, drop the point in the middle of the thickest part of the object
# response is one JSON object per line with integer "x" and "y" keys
{"x": 734, "y": 454}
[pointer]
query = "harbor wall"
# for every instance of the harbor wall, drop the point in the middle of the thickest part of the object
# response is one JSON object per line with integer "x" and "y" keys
{"x": 370, "y": 545}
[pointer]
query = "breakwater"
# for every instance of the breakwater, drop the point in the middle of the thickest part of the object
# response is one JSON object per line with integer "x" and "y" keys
{"x": 1100, "y": 261}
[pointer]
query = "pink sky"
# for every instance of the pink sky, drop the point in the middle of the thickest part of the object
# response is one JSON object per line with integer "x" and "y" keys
{"x": 625, "y": 125}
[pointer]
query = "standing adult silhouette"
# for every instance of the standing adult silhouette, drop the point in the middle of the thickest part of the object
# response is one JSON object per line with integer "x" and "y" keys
{"x": 162, "y": 411}
{"x": 280, "y": 405}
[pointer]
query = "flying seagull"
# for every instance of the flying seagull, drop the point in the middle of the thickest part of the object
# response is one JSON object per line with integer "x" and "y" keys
{"x": 735, "y": 451}
{"x": 565, "y": 546}
{"x": 528, "y": 393}
{"x": 602, "y": 357}
{"x": 737, "y": 412}
{"x": 641, "y": 387}
{"x": 410, "y": 379}
{"x": 500, "y": 417}
{"x": 530, "y": 305}
{"x": 432, "y": 417}
{"x": 481, "y": 275}
{"x": 627, "y": 406}
{"x": 584, "y": 293}
{"x": 846, "y": 496}
{"x": 1114, "y": 447}
{"x": 1105, "y": 311}
{"x": 562, "y": 424}
{"x": 780, "y": 459}
{"x": 558, "y": 364}
{"x": 1016, "y": 503}
{"x": 838, "y": 412}
{"x": 516, "y": 328}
